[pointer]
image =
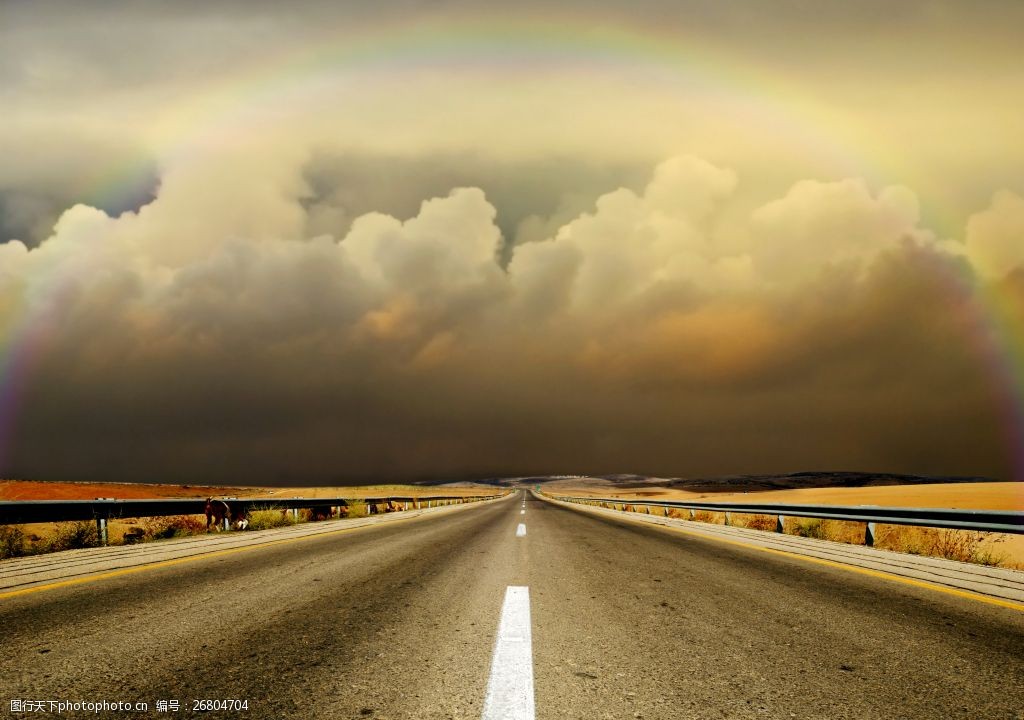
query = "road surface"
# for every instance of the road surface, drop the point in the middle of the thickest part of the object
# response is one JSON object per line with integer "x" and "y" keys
{"x": 400, "y": 620}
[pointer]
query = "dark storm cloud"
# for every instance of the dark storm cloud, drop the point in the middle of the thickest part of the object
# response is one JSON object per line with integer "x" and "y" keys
{"x": 879, "y": 383}
{"x": 629, "y": 340}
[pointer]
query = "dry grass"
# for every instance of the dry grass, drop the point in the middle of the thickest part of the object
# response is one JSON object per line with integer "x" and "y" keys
{"x": 73, "y": 535}
{"x": 160, "y": 528}
{"x": 358, "y": 509}
{"x": 755, "y": 522}
{"x": 12, "y": 541}
{"x": 269, "y": 517}
{"x": 963, "y": 545}
{"x": 835, "y": 530}
{"x": 16, "y": 542}
{"x": 706, "y": 516}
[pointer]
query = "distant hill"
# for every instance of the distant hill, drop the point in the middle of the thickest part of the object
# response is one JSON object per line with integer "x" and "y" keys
{"x": 790, "y": 481}
{"x": 738, "y": 483}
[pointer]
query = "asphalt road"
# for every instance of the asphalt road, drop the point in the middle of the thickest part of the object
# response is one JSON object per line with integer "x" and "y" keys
{"x": 399, "y": 620}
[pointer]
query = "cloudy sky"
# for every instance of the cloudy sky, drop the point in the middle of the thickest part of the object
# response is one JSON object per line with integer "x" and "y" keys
{"x": 330, "y": 242}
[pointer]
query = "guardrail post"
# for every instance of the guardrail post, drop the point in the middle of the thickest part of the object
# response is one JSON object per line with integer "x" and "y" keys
{"x": 780, "y": 523}
{"x": 726, "y": 518}
{"x": 101, "y": 530}
{"x": 227, "y": 523}
{"x": 869, "y": 534}
{"x": 692, "y": 514}
{"x": 666, "y": 510}
{"x": 295, "y": 514}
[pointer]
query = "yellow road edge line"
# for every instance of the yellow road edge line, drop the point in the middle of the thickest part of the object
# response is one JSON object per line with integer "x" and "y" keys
{"x": 969, "y": 595}
{"x": 190, "y": 558}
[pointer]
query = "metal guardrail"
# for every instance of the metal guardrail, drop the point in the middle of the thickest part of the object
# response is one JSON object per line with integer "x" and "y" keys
{"x": 102, "y": 510}
{"x": 998, "y": 521}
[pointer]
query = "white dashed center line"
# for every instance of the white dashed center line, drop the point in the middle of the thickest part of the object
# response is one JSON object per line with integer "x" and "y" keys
{"x": 521, "y": 530}
{"x": 522, "y": 512}
{"x": 510, "y": 687}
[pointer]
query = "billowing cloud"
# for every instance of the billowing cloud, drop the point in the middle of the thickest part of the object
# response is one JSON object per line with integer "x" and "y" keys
{"x": 633, "y": 243}
{"x": 838, "y": 223}
{"x": 995, "y": 236}
{"x": 210, "y": 335}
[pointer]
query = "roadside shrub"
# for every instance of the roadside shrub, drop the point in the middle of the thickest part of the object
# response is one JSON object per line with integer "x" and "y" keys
{"x": 73, "y": 535}
{"x": 706, "y": 516}
{"x": 12, "y": 541}
{"x": 834, "y": 530}
{"x": 962, "y": 545}
{"x": 160, "y": 528}
{"x": 900, "y": 538}
{"x": 269, "y": 517}
{"x": 756, "y": 522}
{"x": 985, "y": 554}
{"x": 808, "y": 527}
{"x": 953, "y": 545}
{"x": 357, "y": 509}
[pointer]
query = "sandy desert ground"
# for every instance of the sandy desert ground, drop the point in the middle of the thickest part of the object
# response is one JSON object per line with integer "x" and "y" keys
{"x": 57, "y": 490}
{"x": 977, "y": 496}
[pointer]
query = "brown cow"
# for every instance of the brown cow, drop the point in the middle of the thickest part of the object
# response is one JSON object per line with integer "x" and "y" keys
{"x": 320, "y": 513}
{"x": 217, "y": 511}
